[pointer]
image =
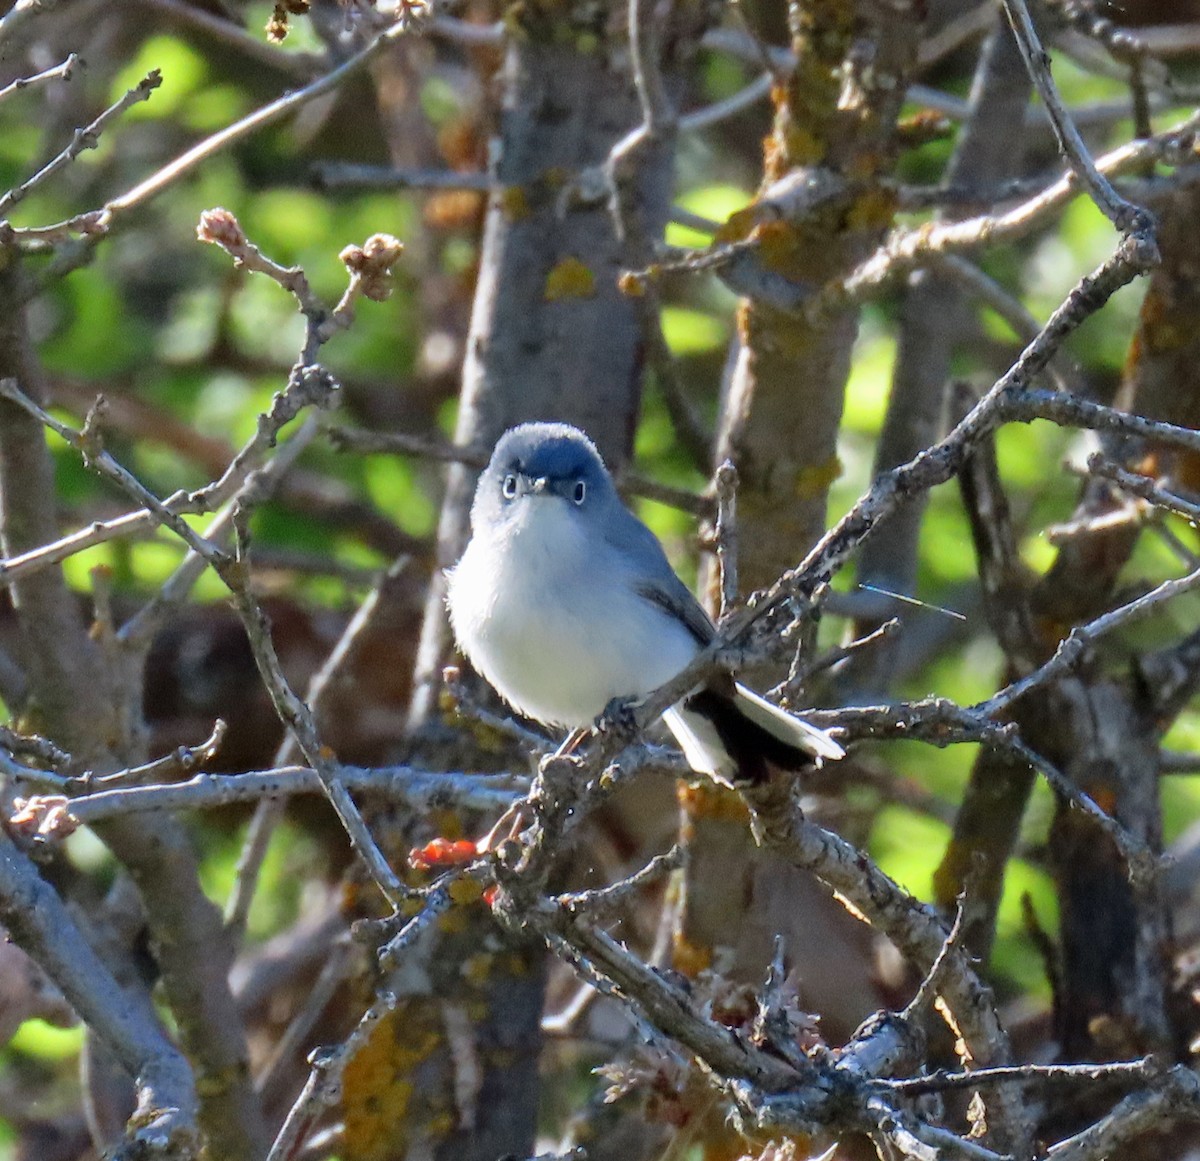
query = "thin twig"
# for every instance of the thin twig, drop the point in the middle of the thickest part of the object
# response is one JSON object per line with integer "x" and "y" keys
{"x": 98, "y": 223}
{"x": 355, "y": 175}
{"x": 1123, "y": 214}
{"x": 1175, "y": 1097}
{"x": 1073, "y": 648}
{"x": 418, "y": 790}
{"x": 333, "y": 972}
{"x": 62, "y": 71}
{"x": 304, "y": 65}
{"x": 905, "y": 250}
{"x": 1144, "y": 487}
{"x": 745, "y": 98}
{"x": 290, "y": 708}
{"x": 88, "y": 443}
{"x": 726, "y": 481}
{"x": 941, "y": 1081}
{"x": 87, "y": 138}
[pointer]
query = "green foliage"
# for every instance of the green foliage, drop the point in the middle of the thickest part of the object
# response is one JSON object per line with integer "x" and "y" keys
{"x": 195, "y": 345}
{"x": 46, "y": 1042}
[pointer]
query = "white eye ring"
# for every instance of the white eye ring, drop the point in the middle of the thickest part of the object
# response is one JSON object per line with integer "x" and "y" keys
{"x": 509, "y": 487}
{"x": 580, "y": 492}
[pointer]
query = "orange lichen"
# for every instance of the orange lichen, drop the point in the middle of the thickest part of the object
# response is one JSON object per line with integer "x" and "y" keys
{"x": 874, "y": 210}
{"x": 815, "y": 479}
{"x": 452, "y": 922}
{"x": 801, "y": 146}
{"x": 515, "y": 203}
{"x": 571, "y": 278}
{"x": 738, "y": 225}
{"x": 463, "y": 891}
{"x": 376, "y": 1086}
{"x": 689, "y": 958}
{"x": 707, "y": 800}
{"x": 780, "y": 247}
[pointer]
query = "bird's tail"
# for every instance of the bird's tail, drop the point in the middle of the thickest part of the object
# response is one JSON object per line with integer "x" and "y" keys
{"x": 734, "y": 736}
{"x": 788, "y": 728}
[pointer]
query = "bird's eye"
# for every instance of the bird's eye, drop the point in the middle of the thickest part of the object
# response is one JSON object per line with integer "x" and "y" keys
{"x": 580, "y": 492}
{"x": 509, "y": 487}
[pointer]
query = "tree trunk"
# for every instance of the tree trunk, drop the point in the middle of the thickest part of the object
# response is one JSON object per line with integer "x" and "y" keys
{"x": 551, "y": 337}
{"x": 779, "y": 425}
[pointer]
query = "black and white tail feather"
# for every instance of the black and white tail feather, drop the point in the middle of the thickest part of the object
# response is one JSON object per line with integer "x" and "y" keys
{"x": 735, "y": 735}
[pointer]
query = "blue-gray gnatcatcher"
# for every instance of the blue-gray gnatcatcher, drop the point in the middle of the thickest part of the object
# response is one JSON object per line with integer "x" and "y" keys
{"x": 564, "y": 600}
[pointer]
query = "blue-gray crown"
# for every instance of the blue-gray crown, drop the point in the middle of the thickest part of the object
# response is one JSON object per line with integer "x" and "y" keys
{"x": 555, "y": 451}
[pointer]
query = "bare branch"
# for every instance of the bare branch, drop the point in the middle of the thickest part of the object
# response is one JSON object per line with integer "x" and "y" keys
{"x": 1143, "y": 487}
{"x": 298, "y": 64}
{"x": 418, "y": 790}
{"x": 165, "y": 1123}
{"x": 1123, "y": 214}
{"x": 62, "y": 71}
{"x": 745, "y": 98}
{"x": 87, "y": 138}
{"x": 1174, "y": 1098}
{"x": 290, "y": 708}
{"x": 1073, "y": 648}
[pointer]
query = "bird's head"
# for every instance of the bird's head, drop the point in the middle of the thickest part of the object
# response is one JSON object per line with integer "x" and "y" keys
{"x": 541, "y": 467}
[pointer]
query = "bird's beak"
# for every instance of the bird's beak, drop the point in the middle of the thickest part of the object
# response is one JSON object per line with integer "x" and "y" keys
{"x": 538, "y": 484}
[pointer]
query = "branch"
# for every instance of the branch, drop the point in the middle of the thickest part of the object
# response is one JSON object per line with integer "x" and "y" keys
{"x": 904, "y": 250}
{"x": 1174, "y": 1098}
{"x": 124, "y": 1021}
{"x": 1146, "y": 1069}
{"x": 299, "y": 64}
{"x": 1072, "y": 650}
{"x": 98, "y": 223}
{"x": 64, "y": 71}
{"x": 292, "y": 711}
{"x": 1144, "y": 487}
{"x": 1127, "y": 217}
{"x": 417, "y": 790}
{"x": 87, "y": 138}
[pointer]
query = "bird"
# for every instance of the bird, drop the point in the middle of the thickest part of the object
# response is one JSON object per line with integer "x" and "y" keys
{"x": 565, "y": 602}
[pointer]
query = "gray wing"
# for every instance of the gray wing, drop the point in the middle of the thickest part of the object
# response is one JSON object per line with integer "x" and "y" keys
{"x": 661, "y": 586}
{"x": 674, "y": 597}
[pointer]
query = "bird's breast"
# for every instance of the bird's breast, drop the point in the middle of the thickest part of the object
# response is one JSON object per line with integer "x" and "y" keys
{"x": 554, "y": 622}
